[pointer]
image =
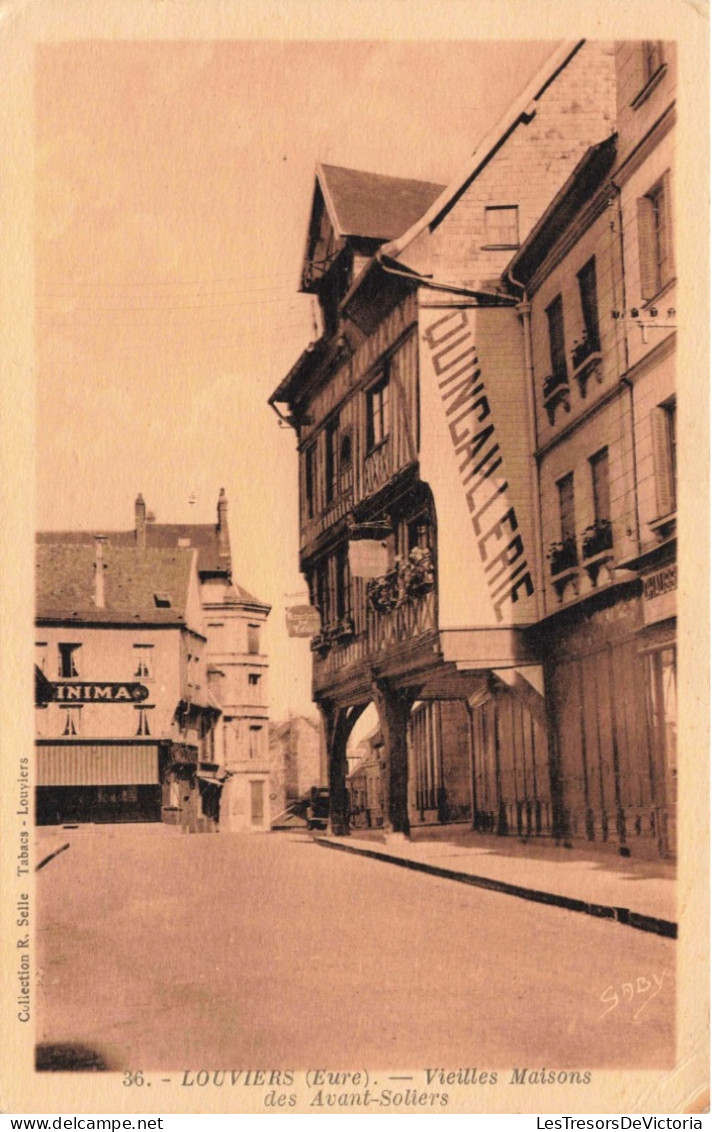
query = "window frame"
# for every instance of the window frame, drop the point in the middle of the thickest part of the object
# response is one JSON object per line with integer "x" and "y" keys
{"x": 378, "y": 410}
{"x": 495, "y": 244}
{"x": 557, "y": 338}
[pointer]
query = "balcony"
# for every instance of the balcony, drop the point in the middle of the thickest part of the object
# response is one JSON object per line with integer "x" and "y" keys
{"x": 597, "y": 548}
{"x": 556, "y": 391}
{"x": 563, "y": 560}
{"x": 587, "y": 362}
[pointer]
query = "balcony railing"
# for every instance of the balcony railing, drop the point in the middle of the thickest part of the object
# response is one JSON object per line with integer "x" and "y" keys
{"x": 377, "y": 467}
{"x": 556, "y": 391}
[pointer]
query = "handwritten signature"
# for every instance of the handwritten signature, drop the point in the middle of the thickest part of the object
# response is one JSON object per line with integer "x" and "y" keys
{"x": 640, "y": 992}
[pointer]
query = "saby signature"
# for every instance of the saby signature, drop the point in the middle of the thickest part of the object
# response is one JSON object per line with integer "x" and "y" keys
{"x": 633, "y": 992}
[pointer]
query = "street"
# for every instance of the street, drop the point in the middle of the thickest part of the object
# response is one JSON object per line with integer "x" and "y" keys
{"x": 162, "y": 951}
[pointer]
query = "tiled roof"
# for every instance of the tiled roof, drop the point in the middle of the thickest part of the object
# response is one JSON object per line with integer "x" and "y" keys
{"x": 375, "y": 206}
{"x": 137, "y": 583}
{"x": 199, "y": 536}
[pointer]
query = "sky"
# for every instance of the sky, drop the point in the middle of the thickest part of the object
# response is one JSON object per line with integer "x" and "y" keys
{"x": 172, "y": 192}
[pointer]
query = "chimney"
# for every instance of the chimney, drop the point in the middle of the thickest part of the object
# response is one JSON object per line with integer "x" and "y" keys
{"x": 222, "y": 527}
{"x": 99, "y": 568}
{"x": 140, "y": 515}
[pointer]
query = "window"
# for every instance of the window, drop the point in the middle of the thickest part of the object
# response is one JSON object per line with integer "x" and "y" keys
{"x": 589, "y": 307}
{"x": 345, "y": 462}
{"x": 143, "y": 661}
{"x": 162, "y": 600}
{"x": 655, "y": 239}
{"x": 332, "y": 459}
{"x": 665, "y": 455}
{"x": 653, "y": 58}
{"x": 68, "y": 661}
{"x": 253, "y": 639}
{"x": 72, "y": 721}
{"x": 142, "y": 727}
{"x": 343, "y": 583}
{"x": 254, "y": 679}
{"x": 601, "y": 491}
{"x": 502, "y": 226}
{"x": 378, "y": 413}
{"x": 253, "y": 686}
{"x": 567, "y": 514}
{"x": 310, "y": 480}
{"x": 255, "y": 741}
{"x": 555, "y": 317}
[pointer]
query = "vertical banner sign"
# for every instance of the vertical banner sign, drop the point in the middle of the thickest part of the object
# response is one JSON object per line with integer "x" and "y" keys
{"x": 475, "y": 456}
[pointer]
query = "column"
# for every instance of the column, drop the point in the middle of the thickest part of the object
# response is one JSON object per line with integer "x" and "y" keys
{"x": 394, "y": 707}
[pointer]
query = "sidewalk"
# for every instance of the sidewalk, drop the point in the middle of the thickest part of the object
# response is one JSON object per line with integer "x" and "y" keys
{"x": 634, "y": 891}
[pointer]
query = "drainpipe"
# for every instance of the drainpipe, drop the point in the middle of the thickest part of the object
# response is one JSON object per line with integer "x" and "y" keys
{"x": 99, "y": 567}
{"x": 524, "y": 310}
{"x": 625, "y": 380}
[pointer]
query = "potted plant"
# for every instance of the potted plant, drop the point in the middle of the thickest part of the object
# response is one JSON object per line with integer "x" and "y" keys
{"x": 563, "y": 555}
{"x": 597, "y": 538}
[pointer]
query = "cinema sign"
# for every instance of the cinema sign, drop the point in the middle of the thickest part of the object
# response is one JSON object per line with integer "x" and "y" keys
{"x": 85, "y": 692}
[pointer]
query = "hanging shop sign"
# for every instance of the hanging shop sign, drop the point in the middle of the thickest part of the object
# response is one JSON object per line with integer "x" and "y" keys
{"x": 303, "y": 621}
{"x": 368, "y": 558}
{"x": 475, "y": 457}
{"x": 85, "y": 692}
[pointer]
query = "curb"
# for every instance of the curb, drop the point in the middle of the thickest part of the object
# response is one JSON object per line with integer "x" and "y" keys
{"x": 639, "y": 920}
{"x": 46, "y": 860}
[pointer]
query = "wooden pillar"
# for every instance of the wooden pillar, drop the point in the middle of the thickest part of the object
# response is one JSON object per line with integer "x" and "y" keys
{"x": 394, "y": 707}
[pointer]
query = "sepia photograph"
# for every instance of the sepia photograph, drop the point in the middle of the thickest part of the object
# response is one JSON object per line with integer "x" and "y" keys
{"x": 347, "y": 780}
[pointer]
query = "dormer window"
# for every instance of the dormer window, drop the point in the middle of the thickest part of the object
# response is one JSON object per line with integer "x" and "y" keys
{"x": 502, "y": 226}
{"x": 162, "y": 600}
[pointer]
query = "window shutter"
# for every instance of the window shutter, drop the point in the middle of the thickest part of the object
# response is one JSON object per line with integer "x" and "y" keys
{"x": 664, "y": 486}
{"x": 667, "y": 196}
{"x": 646, "y": 247}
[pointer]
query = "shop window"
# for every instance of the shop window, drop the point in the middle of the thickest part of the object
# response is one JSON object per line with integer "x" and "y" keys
{"x": 502, "y": 226}
{"x": 557, "y": 347}
{"x": 310, "y": 480}
{"x": 378, "y": 412}
{"x": 332, "y": 459}
{"x": 253, "y": 639}
{"x": 143, "y": 661}
{"x": 655, "y": 238}
{"x": 69, "y": 665}
{"x": 665, "y": 456}
{"x": 72, "y": 721}
{"x": 143, "y": 726}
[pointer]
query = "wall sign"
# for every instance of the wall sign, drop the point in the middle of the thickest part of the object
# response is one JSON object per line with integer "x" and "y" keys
{"x": 474, "y": 454}
{"x": 85, "y": 692}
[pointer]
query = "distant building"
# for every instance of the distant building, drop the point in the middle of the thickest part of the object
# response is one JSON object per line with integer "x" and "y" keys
{"x": 120, "y": 640}
{"x": 296, "y": 760}
{"x": 232, "y": 779}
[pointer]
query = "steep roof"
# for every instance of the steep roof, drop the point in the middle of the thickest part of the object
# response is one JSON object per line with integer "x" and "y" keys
{"x": 373, "y": 205}
{"x": 521, "y": 110}
{"x": 138, "y": 583}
